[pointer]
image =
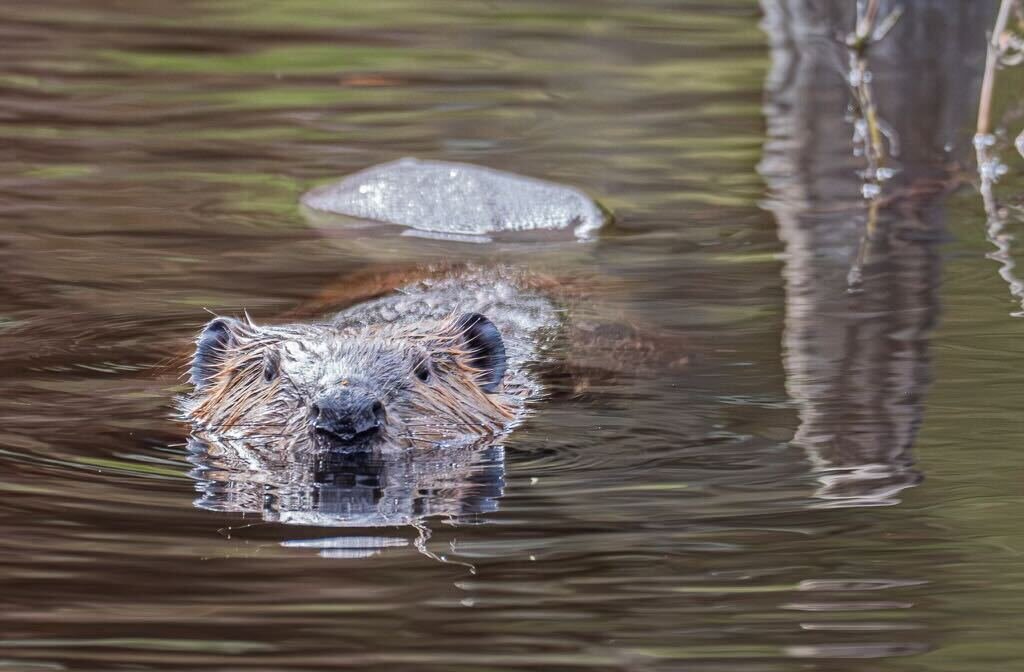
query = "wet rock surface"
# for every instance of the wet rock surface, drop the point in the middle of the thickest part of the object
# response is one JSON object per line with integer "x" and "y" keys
{"x": 458, "y": 199}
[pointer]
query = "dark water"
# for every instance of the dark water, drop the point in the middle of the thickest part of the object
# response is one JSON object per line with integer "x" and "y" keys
{"x": 831, "y": 483}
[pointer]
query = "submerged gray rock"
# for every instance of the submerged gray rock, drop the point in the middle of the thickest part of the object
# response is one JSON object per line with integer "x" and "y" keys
{"x": 458, "y": 199}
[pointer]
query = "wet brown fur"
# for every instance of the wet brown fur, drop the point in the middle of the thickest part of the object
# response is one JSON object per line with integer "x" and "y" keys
{"x": 239, "y": 402}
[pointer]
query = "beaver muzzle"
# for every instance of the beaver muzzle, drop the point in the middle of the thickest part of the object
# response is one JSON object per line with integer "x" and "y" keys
{"x": 348, "y": 417}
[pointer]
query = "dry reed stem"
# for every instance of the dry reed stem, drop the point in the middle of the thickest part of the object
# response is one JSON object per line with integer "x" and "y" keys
{"x": 867, "y": 31}
{"x": 988, "y": 164}
{"x": 988, "y": 83}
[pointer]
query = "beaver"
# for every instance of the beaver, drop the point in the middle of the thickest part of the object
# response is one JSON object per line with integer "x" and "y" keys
{"x": 440, "y": 360}
{"x": 395, "y": 407}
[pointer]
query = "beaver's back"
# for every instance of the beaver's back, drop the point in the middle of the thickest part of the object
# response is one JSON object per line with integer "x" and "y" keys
{"x": 526, "y": 318}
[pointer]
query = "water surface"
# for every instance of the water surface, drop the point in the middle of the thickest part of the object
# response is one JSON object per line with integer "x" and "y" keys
{"x": 830, "y": 482}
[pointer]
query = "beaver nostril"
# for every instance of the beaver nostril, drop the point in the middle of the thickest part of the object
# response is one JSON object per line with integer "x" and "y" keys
{"x": 347, "y": 419}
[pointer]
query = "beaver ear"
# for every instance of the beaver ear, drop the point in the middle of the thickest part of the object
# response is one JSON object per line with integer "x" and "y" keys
{"x": 486, "y": 350}
{"x": 217, "y": 337}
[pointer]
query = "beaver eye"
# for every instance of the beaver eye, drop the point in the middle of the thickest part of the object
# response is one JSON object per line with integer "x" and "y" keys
{"x": 423, "y": 370}
{"x": 271, "y": 365}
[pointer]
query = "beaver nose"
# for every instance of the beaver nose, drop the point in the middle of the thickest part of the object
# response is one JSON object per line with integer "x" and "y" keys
{"x": 348, "y": 418}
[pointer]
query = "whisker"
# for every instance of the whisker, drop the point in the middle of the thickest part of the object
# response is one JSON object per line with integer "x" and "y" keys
{"x": 248, "y": 437}
{"x": 232, "y": 425}
{"x": 425, "y": 441}
{"x": 459, "y": 425}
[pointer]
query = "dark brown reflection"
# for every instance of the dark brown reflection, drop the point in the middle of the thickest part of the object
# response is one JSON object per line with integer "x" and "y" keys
{"x": 368, "y": 488}
{"x": 862, "y": 276}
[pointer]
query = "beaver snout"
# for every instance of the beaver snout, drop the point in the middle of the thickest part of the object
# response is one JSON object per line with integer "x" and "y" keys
{"x": 348, "y": 417}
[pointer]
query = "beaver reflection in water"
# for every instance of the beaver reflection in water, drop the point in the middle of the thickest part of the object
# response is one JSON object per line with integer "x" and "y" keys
{"x": 419, "y": 367}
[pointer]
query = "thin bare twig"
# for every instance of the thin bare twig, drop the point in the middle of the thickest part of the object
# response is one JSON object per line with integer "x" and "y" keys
{"x": 988, "y": 83}
{"x": 1001, "y": 43}
{"x": 865, "y": 25}
{"x": 870, "y": 130}
{"x": 855, "y": 276}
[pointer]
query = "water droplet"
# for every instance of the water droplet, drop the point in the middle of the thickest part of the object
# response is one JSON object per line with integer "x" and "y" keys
{"x": 869, "y": 190}
{"x": 991, "y": 170}
{"x": 983, "y": 140}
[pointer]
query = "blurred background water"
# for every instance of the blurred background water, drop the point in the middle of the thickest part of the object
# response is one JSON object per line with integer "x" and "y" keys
{"x": 829, "y": 484}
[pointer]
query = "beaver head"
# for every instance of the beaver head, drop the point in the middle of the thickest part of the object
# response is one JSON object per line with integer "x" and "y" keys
{"x": 404, "y": 384}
